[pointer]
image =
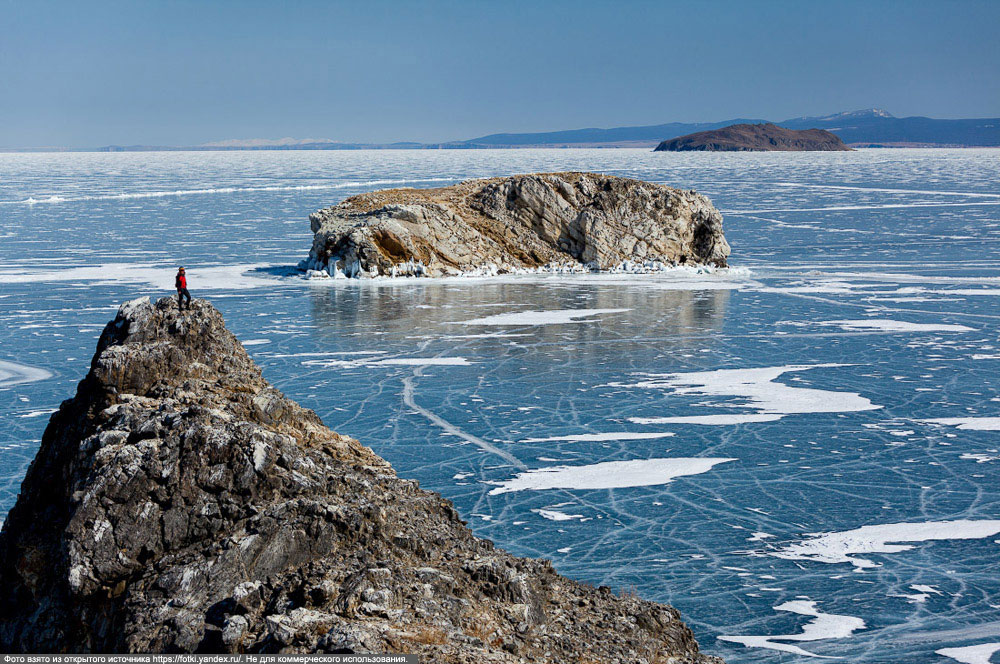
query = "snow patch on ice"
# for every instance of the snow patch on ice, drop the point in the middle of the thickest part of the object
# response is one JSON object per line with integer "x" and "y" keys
{"x": 597, "y": 437}
{"x": 556, "y": 515}
{"x": 608, "y": 475}
{"x": 969, "y": 423}
{"x": 841, "y": 547}
{"x": 822, "y": 626}
{"x": 980, "y": 654}
{"x": 886, "y": 325}
{"x": 759, "y": 388}
{"x": 733, "y": 418}
{"x": 15, "y": 373}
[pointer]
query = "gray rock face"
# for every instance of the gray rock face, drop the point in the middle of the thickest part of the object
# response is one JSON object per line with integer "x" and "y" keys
{"x": 559, "y": 221}
{"x": 178, "y": 503}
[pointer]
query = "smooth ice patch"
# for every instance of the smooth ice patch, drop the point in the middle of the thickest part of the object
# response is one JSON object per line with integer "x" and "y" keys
{"x": 841, "y": 547}
{"x": 597, "y": 437}
{"x": 760, "y": 390}
{"x": 710, "y": 420}
{"x": 391, "y": 362}
{"x": 15, "y": 373}
{"x": 822, "y": 626}
{"x": 608, "y": 475}
{"x": 968, "y": 423}
{"x": 980, "y": 654}
{"x": 553, "y": 317}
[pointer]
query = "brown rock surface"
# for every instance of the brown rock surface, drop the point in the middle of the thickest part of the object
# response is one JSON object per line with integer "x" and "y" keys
{"x": 557, "y": 221}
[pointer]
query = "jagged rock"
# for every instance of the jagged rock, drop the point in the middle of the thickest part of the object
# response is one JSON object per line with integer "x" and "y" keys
{"x": 549, "y": 221}
{"x": 179, "y": 503}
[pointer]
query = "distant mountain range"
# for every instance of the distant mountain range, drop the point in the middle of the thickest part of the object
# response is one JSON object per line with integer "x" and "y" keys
{"x": 865, "y": 128}
{"x": 871, "y": 127}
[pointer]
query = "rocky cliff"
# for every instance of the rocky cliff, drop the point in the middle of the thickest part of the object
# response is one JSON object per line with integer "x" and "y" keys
{"x": 764, "y": 137}
{"x": 549, "y": 221}
{"x": 179, "y": 503}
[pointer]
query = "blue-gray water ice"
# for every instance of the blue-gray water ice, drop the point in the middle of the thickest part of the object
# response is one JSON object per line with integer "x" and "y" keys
{"x": 800, "y": 452}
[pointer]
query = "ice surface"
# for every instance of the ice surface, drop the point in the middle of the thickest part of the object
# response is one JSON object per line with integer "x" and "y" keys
{"x": 880, "y": 246}
{"x": 555, "y": 317}
{"x": 822, "y": 626}
{"x": 842, "y": 547}
{"x": 227, "y": 277}
{"x": 608, "y": 475}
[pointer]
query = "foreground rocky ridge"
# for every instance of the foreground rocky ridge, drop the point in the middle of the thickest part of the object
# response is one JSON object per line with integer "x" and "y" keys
{"x": 179, "y": 503}
{"x": 765, "y": 137}
{"x": 545, "y": 221}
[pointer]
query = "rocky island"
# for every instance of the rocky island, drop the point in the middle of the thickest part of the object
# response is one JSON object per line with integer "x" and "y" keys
{"x": 179, "y": 503}
{"x": 765, "y": 137}
{"x": 538, "y": 222}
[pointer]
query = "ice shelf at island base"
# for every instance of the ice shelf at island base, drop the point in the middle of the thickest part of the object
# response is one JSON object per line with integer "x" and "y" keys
{"x": 336, "y": 268}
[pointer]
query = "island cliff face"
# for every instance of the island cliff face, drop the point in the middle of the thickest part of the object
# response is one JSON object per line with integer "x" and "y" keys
{"x": 179, "y": 503}
{"x": 765, "y": 137}
{"x": 547, "y": 221}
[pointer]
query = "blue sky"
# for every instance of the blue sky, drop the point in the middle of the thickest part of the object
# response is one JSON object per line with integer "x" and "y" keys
{"x": 185, "y": 72}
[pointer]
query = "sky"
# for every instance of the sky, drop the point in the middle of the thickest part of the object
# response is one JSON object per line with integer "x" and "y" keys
{"x": 186, "y": 72}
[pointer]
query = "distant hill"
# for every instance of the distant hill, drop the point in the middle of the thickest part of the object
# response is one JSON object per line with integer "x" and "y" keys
{"x": 875, "y": 127}
{"x": 647, "y": 135}
{"x": 764, "y": 137}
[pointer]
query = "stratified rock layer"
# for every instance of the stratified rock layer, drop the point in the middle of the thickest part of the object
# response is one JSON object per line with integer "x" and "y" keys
{"x": 558, "y": 221}
{"x": 179, "y": 503}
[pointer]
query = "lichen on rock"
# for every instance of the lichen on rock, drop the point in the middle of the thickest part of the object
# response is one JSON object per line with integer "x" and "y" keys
{"x": 179, "y": 503}
{"x": 544, "y": 221}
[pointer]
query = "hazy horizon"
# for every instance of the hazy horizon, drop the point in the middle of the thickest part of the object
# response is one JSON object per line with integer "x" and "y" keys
{"x": 186, "y": 73}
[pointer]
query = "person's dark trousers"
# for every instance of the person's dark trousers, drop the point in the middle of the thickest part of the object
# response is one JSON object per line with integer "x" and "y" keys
{"x": 181, "y": 294}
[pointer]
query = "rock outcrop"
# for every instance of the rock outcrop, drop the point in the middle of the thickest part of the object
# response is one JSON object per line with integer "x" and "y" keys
{"x": 764, "y": 137}
{"x": 548, "y": 221}
{"x": 179, "y": 503}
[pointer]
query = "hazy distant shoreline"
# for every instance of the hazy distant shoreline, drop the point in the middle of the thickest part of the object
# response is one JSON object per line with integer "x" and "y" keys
{"x": 865, "y": 128}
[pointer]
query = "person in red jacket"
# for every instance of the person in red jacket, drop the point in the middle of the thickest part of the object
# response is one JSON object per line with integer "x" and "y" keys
{"x": 181, "y": 283}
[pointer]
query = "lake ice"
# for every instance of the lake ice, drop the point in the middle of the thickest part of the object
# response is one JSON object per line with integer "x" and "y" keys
{"x": 800, "y": 453}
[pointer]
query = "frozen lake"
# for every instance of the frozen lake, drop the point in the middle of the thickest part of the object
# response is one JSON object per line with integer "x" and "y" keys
{"x": 801, "y": 453}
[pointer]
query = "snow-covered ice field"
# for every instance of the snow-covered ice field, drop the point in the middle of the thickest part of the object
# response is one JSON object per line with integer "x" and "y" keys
{"x": 800, "y": 453}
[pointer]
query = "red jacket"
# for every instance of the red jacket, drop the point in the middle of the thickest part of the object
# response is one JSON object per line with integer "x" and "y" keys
{"x": 181, "y": 282}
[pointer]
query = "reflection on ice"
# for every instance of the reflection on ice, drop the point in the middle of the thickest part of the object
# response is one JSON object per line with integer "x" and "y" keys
{"x": 556, "y": 317}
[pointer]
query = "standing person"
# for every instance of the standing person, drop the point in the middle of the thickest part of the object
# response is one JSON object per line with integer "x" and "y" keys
{"x": 181, "y": 284}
